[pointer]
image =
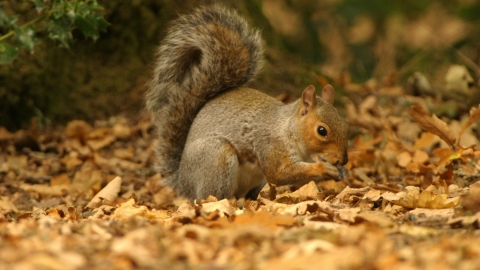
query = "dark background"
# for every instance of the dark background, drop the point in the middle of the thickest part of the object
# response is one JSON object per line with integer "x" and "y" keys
{"x": 308, "y": 42}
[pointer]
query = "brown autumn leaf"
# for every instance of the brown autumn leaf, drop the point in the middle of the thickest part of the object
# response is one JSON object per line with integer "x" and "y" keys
{"x": 474, "y": 117}
{"x": 264, "y": 219}
{"x": 109, "y": 192}
{"x": 429, "y": 198}
{"x": 433, "y": 125}
{"x": 426, "y": 139}
{"x": 78, "y": 129}
{"x": 223, "y": 207}
{"x": 420, "y": 157}
{"x": 61, "y": 179}
{"x": 404, "y": 158}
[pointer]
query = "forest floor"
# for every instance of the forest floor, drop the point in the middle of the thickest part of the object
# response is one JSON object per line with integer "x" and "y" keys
{"x": 87, "y": 196}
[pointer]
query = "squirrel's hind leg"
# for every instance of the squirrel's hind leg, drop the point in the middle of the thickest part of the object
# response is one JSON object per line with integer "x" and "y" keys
{"x": 252, "y": 194}
{"x": 208, "y": 167}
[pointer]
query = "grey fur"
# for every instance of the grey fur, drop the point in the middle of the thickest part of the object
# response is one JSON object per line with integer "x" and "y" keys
{"x": 203, "y": 54}
{"x": 217, "y": 137}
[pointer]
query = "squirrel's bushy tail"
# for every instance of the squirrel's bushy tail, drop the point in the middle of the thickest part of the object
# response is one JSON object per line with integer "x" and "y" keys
{"x": 204, "y": 54}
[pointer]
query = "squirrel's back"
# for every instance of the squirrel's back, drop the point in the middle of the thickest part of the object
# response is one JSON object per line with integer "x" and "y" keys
{"x": 204, "y": 54}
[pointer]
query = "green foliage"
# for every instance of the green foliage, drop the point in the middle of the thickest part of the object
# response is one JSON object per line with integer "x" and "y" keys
{"x": 59, "y": 17}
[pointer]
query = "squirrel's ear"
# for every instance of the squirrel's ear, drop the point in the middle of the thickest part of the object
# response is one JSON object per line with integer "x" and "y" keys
{"x": 309, "y": 99}
{"x": 328, "y": 93}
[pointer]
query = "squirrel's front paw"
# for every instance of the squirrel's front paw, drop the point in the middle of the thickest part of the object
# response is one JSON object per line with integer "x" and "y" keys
{"x": 342, "y": 172}
{"x": 335, "y": 172}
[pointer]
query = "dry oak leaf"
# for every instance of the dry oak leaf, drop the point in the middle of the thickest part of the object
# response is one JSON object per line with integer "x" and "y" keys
{"x": 433, "y": 213}
{"x": 306, "y": 207}
{"x": 347, "y": 214}
{"x": 109, "y": 192}
{"x": 61, "y": 179}
{"x": 306, "y": 192}
{"x": 403, "y": 159}
{"x": 412, "y": 198}
{"x": 45, "y": 189}
{"x": 71, "y": 162}
{"x": 352, "y": 191}
{"x": 379, "y": 218}
{"x": 426, "y": 139}
{"x": 128, "y": 209}
{"x": 420, "y": 157}
{"x": 6, "y": 204}
{"x": 121, "y": 131}
{"x": 97, "y": 144}
{"x": 433, "y": 125}
{"x": 78, "y": 129}
{"x": 474, "y": 117}
{"x": 223, "y": 207}
{"x": 265, "y": 219}
{"x": 373, "y": 195}
{"x": 466, "y": 221}
{"x": 309, "y": 247}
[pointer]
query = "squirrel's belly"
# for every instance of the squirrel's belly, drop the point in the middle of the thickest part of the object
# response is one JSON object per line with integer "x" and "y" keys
{"x": 248, "y": 176}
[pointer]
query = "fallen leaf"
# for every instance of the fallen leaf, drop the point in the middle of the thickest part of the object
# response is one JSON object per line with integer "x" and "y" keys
{"x": 306, "y": 192}
{"x": 348, "y": 214}
{"x": 129, "y": 209}
{"x": 223, "y": 207}
{"x": 426, "y": 139}
{"x": 6, "y": 204}
{"x": 403, "y": 159}
{"x": 61, "y": 179}
{"x": 474, "y": 117}
{"x": 379, "y": 218}
{"x": 354, "y": 191}
{"x": 412, "y": 198}
{"x": 306, "y": 207}
{"x": 432, "y": 124}
{"x": 432, "y": 213}
{"x": 373, "y": 195}
{"x": 97, "y": 144}
{"x": 121, "y": 131}
{"x": 5, "y": 134}
{"x": 78, "y": 129}
{"x": 109, "y": 192}
{"x": 264, "y": 219}
{"x": 420, "y": 157}
{"x": 99, "y": 133}
{"x": 71, "y": 162}
{"x": 125, "y": 153}
{"x": 17, "y": 163}
{"x": 45, "y": 189}
{"x": 466, "y": 221}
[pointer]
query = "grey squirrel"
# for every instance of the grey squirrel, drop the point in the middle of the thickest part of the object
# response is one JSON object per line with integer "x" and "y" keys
{"x": 217, "y": 137}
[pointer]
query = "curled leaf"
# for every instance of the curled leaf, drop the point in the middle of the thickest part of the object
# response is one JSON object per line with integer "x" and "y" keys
{"x": 109, "y": 192}
{"x": 433, "y": 125}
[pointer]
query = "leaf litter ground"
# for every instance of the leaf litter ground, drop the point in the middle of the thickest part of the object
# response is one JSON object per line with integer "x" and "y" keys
{"x": 88, "y": 197}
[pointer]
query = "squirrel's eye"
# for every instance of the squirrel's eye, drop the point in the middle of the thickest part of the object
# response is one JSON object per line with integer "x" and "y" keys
{"x": 322, "y": 131}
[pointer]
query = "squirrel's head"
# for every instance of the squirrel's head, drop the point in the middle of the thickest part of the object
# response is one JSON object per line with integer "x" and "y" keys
{"x": 323, "y": 131}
